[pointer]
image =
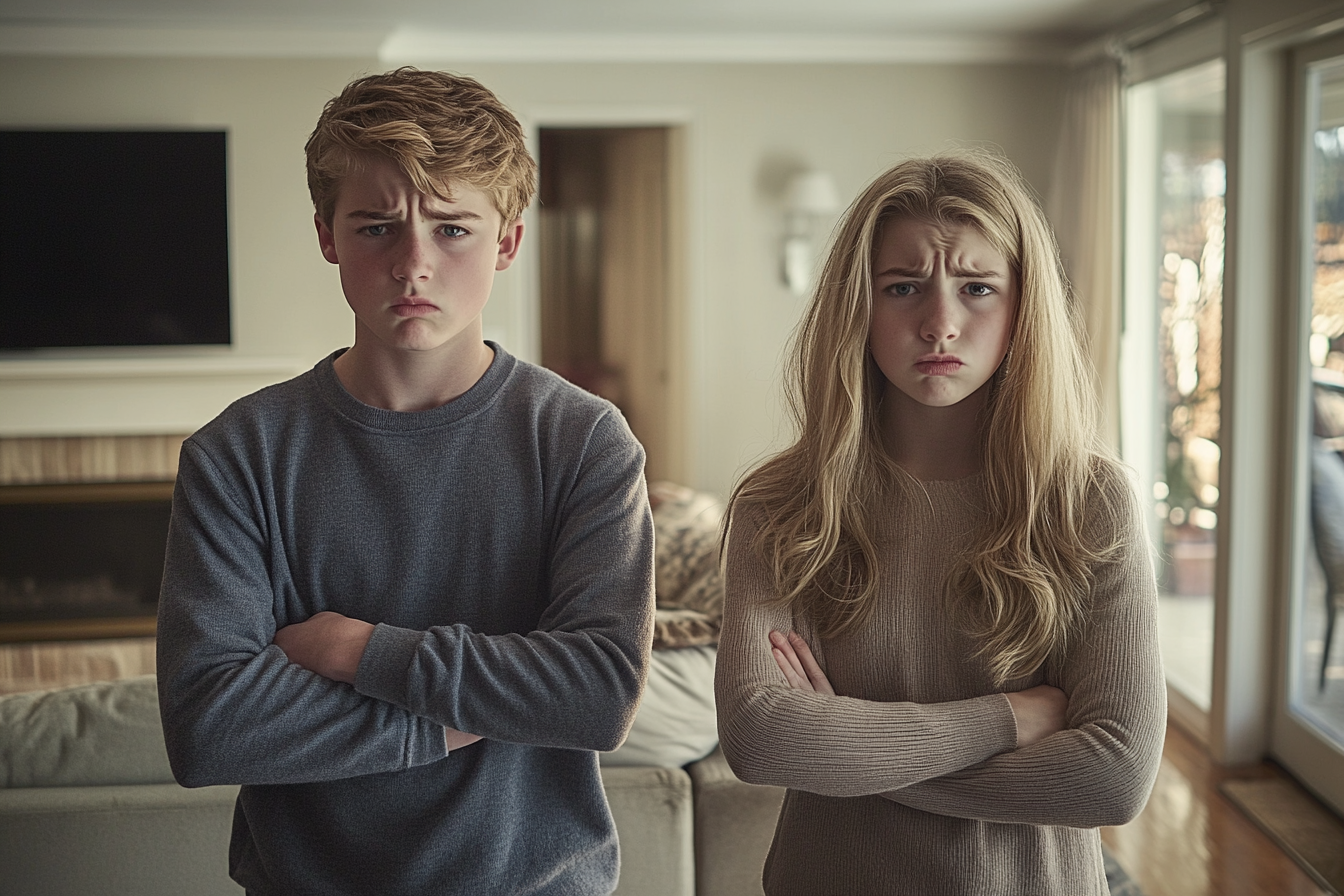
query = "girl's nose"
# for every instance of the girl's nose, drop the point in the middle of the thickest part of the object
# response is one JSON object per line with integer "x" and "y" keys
{"x": 940, "y": 321}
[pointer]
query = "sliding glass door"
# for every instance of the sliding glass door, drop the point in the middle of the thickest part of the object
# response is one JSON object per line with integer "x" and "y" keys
{"x": 1171, "y": 355}
{"x": 1308, "y": 734}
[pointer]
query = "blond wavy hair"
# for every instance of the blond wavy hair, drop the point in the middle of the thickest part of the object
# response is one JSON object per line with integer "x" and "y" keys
{"x": 439, "y": 128}
{"x": 1023, "y": 584}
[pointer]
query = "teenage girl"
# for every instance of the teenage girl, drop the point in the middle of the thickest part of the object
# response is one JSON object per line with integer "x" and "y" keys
{"x": 939, "y": 629}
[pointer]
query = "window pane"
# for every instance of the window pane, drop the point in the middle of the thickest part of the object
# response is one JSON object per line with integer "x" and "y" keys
{"x": 1317, "y": 672}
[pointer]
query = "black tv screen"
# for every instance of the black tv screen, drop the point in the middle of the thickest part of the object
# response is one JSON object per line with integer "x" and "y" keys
{"x": 113, "y": 238}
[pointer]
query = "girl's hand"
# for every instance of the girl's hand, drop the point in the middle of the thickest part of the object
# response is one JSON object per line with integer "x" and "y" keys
{"x": 1039, "y": 712}
{"x": 798, "y": 665}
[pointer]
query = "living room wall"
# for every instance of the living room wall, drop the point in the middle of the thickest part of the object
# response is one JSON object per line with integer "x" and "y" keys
{"x": 745, "y": 125}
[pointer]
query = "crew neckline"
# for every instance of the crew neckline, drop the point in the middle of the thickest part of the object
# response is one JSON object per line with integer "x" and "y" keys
{"x": 479, "y": 396}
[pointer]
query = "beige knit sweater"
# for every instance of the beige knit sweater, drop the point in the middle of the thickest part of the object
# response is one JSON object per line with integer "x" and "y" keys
{"x": 911, "y": 782}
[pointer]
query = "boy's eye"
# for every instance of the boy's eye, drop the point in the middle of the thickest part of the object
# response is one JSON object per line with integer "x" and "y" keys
{"x": 374, "y": 229}
{"x": 452, "y": 230}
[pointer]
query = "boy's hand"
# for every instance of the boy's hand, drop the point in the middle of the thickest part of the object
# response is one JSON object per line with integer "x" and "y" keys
{"x": 328, "y": 643}
{"x": 800, "y": 668}
{"x": 455, "y": 739}
{"x": 332, "y": 646}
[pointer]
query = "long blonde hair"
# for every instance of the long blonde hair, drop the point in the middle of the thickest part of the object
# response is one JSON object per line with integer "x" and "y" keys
{"x": 1023, "y": 584}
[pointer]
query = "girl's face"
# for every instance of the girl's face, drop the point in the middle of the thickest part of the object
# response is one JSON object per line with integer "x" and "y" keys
{"x": 943, "y": 305}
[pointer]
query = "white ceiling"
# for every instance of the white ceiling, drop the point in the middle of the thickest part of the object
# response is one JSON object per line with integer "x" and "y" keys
{"x": 568, "y": 29}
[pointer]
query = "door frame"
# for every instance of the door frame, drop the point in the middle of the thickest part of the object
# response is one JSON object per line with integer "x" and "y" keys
{"x": 684, "y": 385}
{"x": 1294, "y": 741}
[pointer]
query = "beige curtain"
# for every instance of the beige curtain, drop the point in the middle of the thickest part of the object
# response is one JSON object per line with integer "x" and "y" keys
{"x": 1084, "y": 206}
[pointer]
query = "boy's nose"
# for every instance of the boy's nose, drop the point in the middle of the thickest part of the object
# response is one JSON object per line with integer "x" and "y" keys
{"x": 412, "y": 264}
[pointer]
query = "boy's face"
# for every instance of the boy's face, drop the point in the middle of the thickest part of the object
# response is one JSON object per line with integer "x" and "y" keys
{"x": 416, "y": 270}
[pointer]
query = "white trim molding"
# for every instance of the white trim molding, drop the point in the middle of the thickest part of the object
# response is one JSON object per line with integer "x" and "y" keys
{"x": 412, "y": 45}
{"x": 226, "y": 41}
{"x": 418, "y": 45}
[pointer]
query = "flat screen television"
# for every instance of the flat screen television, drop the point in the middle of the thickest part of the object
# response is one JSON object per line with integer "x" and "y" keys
{"x": 113, "y": 238}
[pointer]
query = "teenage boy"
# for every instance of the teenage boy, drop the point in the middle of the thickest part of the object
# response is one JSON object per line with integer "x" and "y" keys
{"x": 409, "y": 593}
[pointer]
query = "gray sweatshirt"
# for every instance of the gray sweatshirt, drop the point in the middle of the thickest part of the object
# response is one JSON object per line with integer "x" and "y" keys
{"x": 503, "y": 546}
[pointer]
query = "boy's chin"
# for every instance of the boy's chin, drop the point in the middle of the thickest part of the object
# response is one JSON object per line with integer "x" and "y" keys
{"x": 418, "y": 341}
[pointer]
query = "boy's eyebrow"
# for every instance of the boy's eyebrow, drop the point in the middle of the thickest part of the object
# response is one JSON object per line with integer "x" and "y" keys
{"x": 451, "y": 215}
{"x": 433, "y": 214}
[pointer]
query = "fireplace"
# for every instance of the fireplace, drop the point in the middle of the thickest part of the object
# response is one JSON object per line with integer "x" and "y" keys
{"x": 81, "y": 560}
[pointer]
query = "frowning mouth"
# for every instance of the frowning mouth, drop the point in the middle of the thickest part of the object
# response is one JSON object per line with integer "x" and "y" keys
{"x": 938, "y": 365}
{"x": 412, "y": 306}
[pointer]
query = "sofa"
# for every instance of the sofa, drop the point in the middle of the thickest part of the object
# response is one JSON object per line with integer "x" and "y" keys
{"x": 88, "y": 804}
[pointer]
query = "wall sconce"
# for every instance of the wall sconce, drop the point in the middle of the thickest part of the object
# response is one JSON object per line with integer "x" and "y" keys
{"x": 810, "y": 195}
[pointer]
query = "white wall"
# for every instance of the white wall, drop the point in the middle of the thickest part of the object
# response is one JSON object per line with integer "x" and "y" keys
{"x": 746, "y": 125}
{"x": 288, "y": 310}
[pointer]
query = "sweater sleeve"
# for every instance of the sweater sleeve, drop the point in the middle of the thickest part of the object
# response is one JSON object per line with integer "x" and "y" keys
{"x": 1101, "y": 768}
{"x": 235, "y": 711}
{"x": 575, "y": 681}
{"x": 830, "y": 745}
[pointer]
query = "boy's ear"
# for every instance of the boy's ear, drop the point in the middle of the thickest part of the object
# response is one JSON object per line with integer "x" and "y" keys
{"x": 508, "y": 245}
{"x": 326, "y": 239}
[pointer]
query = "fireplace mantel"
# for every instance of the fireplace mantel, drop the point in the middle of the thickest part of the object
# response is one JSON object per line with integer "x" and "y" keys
{"x": 86, "y": 471}
{"x": 74, "y": 395}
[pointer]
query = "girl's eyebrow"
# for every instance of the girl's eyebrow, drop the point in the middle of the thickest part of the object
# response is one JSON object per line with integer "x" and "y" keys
{"x": 956, "y": 272}
{"x": 903, "y": 272}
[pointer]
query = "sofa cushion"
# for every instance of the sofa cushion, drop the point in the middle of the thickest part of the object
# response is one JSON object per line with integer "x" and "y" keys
{"x": 653, "y": 814}
{"x": 734, "y": 827}
{"x": 675, "y": 723}
{"x": 103, "y": 733}
{"x": 146, "y": 840}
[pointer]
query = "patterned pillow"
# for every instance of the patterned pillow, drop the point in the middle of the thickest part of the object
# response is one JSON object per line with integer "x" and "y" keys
{"x": 687, "y": 579}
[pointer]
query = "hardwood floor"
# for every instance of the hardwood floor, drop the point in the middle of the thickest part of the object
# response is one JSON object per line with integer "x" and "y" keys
{"x": 1190, "y": 841}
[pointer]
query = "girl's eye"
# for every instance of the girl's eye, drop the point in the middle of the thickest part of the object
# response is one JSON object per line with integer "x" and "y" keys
{"x": 901, "y": 289}
{"x": 979, "y": 289}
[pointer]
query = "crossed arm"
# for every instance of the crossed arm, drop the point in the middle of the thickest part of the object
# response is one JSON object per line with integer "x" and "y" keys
{"x": 246, "y": 701}
{"x": 1083, "y": 760}
{"x": 331, "y": 645}
{"x": 1039, "y": 711}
